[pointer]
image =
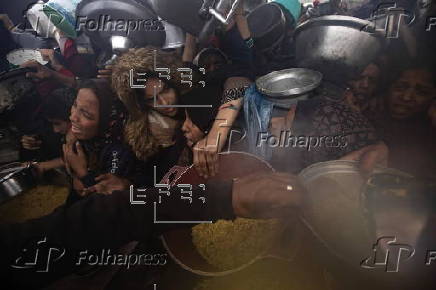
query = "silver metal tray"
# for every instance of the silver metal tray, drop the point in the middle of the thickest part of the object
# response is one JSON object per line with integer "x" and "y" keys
{"x": 289, "y": 82}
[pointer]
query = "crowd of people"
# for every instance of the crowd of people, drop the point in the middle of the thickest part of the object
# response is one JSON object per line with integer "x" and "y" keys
{"x": 110, "y": 131}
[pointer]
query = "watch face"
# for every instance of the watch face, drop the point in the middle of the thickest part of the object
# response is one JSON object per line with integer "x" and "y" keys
{"x": 22, "y": 55}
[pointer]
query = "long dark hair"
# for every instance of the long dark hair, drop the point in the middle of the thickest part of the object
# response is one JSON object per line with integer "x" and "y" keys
{"x": 105, "y": 97}
{"x": 58, "y": 104}
{"x": 111, "y": 121}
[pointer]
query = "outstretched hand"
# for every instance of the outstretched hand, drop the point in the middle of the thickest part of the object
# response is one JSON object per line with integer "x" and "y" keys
{"x": 108, "y": 183}
{"x": 266, "y": 195}
{"x": 41, "y": 72}
{"x": 105, "y": 73}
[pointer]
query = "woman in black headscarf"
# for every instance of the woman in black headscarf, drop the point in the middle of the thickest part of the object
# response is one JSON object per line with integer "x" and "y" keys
{"x": 93, "y": 153}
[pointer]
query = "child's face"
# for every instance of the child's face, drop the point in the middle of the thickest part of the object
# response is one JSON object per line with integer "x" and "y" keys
{"x": 60, "y": 126}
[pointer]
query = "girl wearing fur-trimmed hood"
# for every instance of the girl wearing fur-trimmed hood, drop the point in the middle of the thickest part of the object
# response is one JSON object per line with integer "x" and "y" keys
{"x": 152, "y": 121}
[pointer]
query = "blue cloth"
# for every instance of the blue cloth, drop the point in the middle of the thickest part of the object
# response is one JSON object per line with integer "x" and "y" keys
{"x": 257, "y": 113}
{"x": 293, "y": 6}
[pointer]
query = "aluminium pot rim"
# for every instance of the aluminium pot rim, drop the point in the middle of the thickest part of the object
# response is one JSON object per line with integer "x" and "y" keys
{"x": 334, "y": 20}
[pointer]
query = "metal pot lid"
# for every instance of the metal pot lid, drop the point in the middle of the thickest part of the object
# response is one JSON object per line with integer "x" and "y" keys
{"x": 22, "y": 55}
{"x": 289, "y": 83}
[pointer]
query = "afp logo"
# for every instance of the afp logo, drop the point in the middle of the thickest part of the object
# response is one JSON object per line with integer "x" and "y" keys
{"x": 38, "y": 255}
{"x": 388, "y": 254}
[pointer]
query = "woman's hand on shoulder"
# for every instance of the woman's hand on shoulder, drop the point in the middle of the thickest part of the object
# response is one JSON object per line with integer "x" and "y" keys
{"x": 75, "y": 159}
{"x": 108, "y": 183}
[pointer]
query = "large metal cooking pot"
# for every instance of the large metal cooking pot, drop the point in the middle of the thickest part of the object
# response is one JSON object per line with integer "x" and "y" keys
{"x": 197, "y": 17}
{"x": 267, "y": 25}
{"x": 183, "y": 13}
{"x": 136, "y": 19}
{"x": 339, "y": 47}
{"x": 16, "y": 178}
{"x": 174, "y": 36}
{"x": 333, "y": 208}
{"x": 352, "y": 218}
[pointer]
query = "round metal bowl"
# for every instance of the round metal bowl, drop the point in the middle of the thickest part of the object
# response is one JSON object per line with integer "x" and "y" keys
{"x": 333, "y": 210}
{"x": 287, "y": 83}
{"x": 338, "y": 46}
{"x": 180, "y": 243}
{"x": 348, "y": 214}
{"x": 15, "y": 179}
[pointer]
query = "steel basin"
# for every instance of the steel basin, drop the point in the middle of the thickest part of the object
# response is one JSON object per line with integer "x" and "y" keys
{"x": 351, "y": 217}
{"x": 338, "y": 46}
{"x": 15, "y": 179}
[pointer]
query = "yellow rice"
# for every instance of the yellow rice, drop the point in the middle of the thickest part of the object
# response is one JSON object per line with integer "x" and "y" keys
{"x": 230, "y": 244}
{"x": 34, "y": 203}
